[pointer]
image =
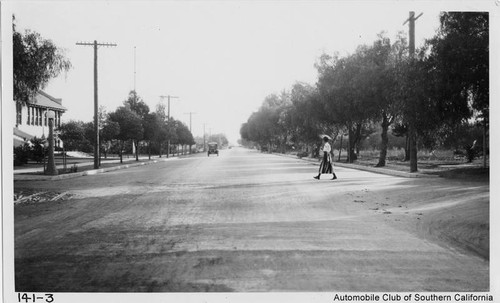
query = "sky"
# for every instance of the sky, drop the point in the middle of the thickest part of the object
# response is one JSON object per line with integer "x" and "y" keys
{"x": 220, "y": 58}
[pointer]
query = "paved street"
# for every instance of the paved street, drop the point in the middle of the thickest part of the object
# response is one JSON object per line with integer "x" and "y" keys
{"x": 247, "y": 221}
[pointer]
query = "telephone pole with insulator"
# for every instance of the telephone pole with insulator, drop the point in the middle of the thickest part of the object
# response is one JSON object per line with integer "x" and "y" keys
{"x": 96, "y": 103}
{"x": 412, "y": 134}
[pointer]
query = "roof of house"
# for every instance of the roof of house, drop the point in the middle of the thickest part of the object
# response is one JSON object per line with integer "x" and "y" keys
{"x": 43, "y": 99}
{"x": 19, "y": 133}
{"x": 20, "y": 137}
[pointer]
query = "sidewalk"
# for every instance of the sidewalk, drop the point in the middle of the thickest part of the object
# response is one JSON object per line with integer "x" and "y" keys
{"x": 34, "y": 173}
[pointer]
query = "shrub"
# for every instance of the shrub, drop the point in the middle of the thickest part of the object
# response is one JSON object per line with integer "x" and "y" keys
{"x": 22, "y": 154}
{"x": 37, "y": 149}
{"x": 302, "y": 154}
{"x": 471, "y": 152}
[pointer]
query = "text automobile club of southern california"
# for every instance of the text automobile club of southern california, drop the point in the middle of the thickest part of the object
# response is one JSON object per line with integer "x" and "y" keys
{"x": 415, "y": 297}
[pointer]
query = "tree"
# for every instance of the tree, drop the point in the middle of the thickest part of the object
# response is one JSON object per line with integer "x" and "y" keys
{"x": 381, "y": 71}
{"x": 89, "y": 133}
{"x": 460, "y": 60}
{"x": 110, "y": 131}
{"x": 399, "y": 129}
{"x": 259, "y": 127}
{"x": 130, "y": 126}
{"x": 138, "y": 106}
{"x": 35, "y": 61}
{"x": 135, "y": 103}
{"x": 184, "y": 136}
{"x": 162, "y": 132}
{"x": 73, "y": 135}
{"x": 308, "y": 118}
{"x": 153, "y": 130}
{"x": 341, "y": 86}
{"x": 220, "y": 138}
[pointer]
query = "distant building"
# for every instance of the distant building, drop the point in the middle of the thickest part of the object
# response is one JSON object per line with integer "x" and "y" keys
{"x": 31, "y": 118}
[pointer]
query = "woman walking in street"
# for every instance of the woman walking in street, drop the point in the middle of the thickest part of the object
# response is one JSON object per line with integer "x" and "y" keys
{"x": 326, "y": 164}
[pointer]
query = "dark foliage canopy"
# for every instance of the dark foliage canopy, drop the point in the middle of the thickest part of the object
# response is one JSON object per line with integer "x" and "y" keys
{"x": 36, "y": 60}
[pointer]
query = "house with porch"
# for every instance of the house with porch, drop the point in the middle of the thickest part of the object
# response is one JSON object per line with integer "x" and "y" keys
{"x": 31, "y": 118}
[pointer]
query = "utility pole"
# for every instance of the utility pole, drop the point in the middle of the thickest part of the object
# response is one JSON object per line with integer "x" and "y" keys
{"x": 96, "y": 104}
{"x": 134, "y": 149}
{"x": 134, "y": 68}
{"x": 168, "y": 98}
{"x": 412, "y": 134}
{"x": 204, "y": 140}
{"x": 190, "y": 119}
{"x": 168, "y": 119}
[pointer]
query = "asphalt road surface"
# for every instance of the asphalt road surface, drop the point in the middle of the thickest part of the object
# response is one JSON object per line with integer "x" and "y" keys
{"x": 247, "y": 221}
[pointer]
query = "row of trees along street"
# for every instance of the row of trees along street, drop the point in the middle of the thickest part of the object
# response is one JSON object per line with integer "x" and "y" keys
{"x": 132, "y": 123}
{"x": 380, "y": 89}
{"x": 37, "y": 60}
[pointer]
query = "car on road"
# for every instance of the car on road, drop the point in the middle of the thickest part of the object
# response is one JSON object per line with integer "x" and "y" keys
{"x": 212, "y": 148}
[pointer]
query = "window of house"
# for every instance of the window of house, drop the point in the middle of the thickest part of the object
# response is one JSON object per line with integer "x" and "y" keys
{"x": 29, "y": 115}
{"x": 32, "y": 116}
{"x": 19, "y": 114}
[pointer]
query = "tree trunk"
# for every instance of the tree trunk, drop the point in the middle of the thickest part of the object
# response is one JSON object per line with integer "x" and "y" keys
{"x": 149, "y": 149}
{"x": 383, "y": 143}
{"x": 407, "y": 149}
{"x": 350, "y": 146}
{"x": 353, "y": 139}
{"x": 413, "y": 149}
{"x": 485, "y": 129}
{"x": 121, "y": 152}
{"x": 340, "y": 147}
{"x": 136, "y": 143}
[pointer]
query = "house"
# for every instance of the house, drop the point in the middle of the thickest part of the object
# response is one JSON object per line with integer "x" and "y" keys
{"x": 31, "y": 119}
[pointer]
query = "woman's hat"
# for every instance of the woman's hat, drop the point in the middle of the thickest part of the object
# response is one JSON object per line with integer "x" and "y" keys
{"x": 324, "y": 136}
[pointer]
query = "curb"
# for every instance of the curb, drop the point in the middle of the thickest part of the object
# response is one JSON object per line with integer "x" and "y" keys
{"x": 378, "y": 170}
{"x": 385, "y": 171}
{"x": 21, "y": 177}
